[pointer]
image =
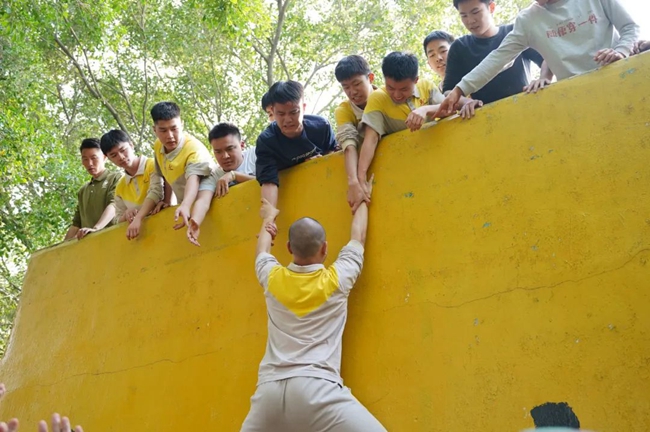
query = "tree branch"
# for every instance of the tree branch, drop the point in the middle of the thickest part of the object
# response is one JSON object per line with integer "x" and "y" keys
{"x": 94, "y": 91}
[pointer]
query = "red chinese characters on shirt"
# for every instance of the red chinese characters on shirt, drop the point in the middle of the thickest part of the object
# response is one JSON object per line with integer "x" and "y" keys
{"x": 571, "y": 27}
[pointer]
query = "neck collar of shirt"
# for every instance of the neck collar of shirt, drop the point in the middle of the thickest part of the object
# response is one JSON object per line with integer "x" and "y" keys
{"x": 174, "y": 152}
{"x": 141, "y": 166}
{"x": 305, "y": 269}
{"x": 486, "y": 40}
{"x": 101, "y": 178}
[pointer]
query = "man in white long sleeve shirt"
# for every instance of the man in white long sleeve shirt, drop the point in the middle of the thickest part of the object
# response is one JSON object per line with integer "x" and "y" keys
{"x": 573, "y": 36}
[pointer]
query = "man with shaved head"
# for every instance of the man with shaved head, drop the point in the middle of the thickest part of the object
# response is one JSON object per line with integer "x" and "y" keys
{"x": 299, "y": 385}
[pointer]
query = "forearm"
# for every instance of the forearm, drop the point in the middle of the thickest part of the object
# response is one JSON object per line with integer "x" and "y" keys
{"x": 241, "y": 177}
{"x": 351, "y": 163}
{"x": 191, "y": 190}
{"x": 627, "y": 28}
{"x": 264, "y": 239}
{"x": 431, "y": 110}
{"x": 201, "y": 206}
{"x": 546, "y": 72}
{"x": 167, "y": 193}
{"x": 270, "y": 193}
{"x": 147, "y": 206}
{"x": 72, "y": 233}
{"x": 106, "y": 218}
{"x": 360, "y": 224}
{"x": 368, "y": 149}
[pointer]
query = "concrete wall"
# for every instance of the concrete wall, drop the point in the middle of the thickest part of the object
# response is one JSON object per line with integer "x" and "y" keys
{"x": 507, "y": 267}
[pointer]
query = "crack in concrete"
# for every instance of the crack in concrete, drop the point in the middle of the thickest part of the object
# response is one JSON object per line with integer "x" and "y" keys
{"x": 500, "y": 293}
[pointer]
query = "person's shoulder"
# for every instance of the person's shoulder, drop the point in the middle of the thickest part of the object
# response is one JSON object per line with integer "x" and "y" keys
{"x": 114, "y": 176}
{"x": 462, "y": 42}
{"x": 192, "y": 141}
{"x": 315, "y": 120}
{"x": 506, "y": 28}
{"x": 426, "y": 84}
{"x": 377, "y": 98}
{"x": 344, "y": 108}
{"x": 268, "y": 135}
{"x": 530, "y": 12}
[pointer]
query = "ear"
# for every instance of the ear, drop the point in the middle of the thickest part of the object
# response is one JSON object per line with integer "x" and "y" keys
{"x": 304, "y": 106}
{"x": 243, "y": 145}
{"x": 371, "y": 77}
{"x": 417, "y": 78}
{"x": 323, "y": 248}
{"x": 289, "y": 247}
{"x": 491, "y": 7}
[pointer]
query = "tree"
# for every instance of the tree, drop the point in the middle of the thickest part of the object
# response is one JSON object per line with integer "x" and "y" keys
{"x": 72, "y": 69}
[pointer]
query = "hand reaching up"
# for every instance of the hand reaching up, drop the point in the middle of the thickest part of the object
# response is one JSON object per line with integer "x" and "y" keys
{"x": 268, "y": 212}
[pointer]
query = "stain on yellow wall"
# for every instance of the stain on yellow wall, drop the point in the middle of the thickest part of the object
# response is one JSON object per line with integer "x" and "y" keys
{"x": 507, "y": 267}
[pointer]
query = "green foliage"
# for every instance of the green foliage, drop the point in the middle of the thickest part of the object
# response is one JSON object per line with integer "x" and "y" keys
{"x": 70, "y": 69}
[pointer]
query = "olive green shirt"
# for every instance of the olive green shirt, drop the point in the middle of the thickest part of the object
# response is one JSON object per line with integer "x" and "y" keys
{"x": 93, "y": 198}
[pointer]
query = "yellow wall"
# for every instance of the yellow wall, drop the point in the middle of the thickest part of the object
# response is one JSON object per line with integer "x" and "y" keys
{"x": 507, "y": 266}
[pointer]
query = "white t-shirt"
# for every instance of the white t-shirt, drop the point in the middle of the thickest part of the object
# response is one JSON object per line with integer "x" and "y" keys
{"x": 568, "y": 34}
{"x": 247, "y": 167}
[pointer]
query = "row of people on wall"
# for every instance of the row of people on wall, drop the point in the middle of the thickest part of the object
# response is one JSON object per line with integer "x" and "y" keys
{"x": 491, "y": 63}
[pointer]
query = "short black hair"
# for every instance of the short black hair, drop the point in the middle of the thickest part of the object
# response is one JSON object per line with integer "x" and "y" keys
{"x": 351, "y": 66}
{"x": 286, "y": 91}
{"x": 400, "y": 66}
{"x": 266, "y": 101}
{"x": 437, "y": 35}
{"x": 457, "y": 2}
{"x": 165, "y": 111}
{"x": 113, "y": 138}
{"x": 222, "y": 130}
{"x": 89, "y": 143}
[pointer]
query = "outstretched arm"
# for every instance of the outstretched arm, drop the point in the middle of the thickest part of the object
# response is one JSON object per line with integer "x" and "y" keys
{"x": 270, "y": 193}
{"x": 268, "y": 213}
{"x": 370, "y": 141}
{"x": 360, "y": 219}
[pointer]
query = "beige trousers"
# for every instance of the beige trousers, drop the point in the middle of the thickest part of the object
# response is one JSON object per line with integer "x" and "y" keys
{"x": 304, "y": 404}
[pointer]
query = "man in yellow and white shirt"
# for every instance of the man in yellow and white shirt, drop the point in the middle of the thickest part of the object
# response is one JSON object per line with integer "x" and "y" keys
{"x": 299, "y": 385}
{"x": 180, "y": 158}
{"x": 139, "y": 192}
{"x": 354, "y": 75}
{"x": 406, "y": 102}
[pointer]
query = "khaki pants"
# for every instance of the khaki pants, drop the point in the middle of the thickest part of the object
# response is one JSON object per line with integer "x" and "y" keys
{"x": 304, "y": 404}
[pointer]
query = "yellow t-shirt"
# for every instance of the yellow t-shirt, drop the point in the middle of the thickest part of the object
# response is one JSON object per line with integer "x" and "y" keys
{"x": 387, "y": 117}
{"x": 348, "y": 124}
{"x": 189, "y": 158}
{"x": 131, "y": 192}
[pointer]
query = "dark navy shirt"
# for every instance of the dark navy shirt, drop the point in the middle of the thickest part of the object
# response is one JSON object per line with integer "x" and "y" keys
{"x": 276, "y": 152}
{"x": 468, "y": 51}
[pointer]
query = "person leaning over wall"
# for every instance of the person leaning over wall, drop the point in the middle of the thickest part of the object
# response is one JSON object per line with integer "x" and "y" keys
{"x": 292, "y": 138}
{"x": 139, "y": 192}
{"x": 405, "y": 102}
{"x": 95, "y": 200}
{"x": 470, "y": 50}
{"x": 573, "y": 36}
{"x": 180, "y": 158}
{"x": 355, "y": 76}
{"x": 236, "y": 166}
